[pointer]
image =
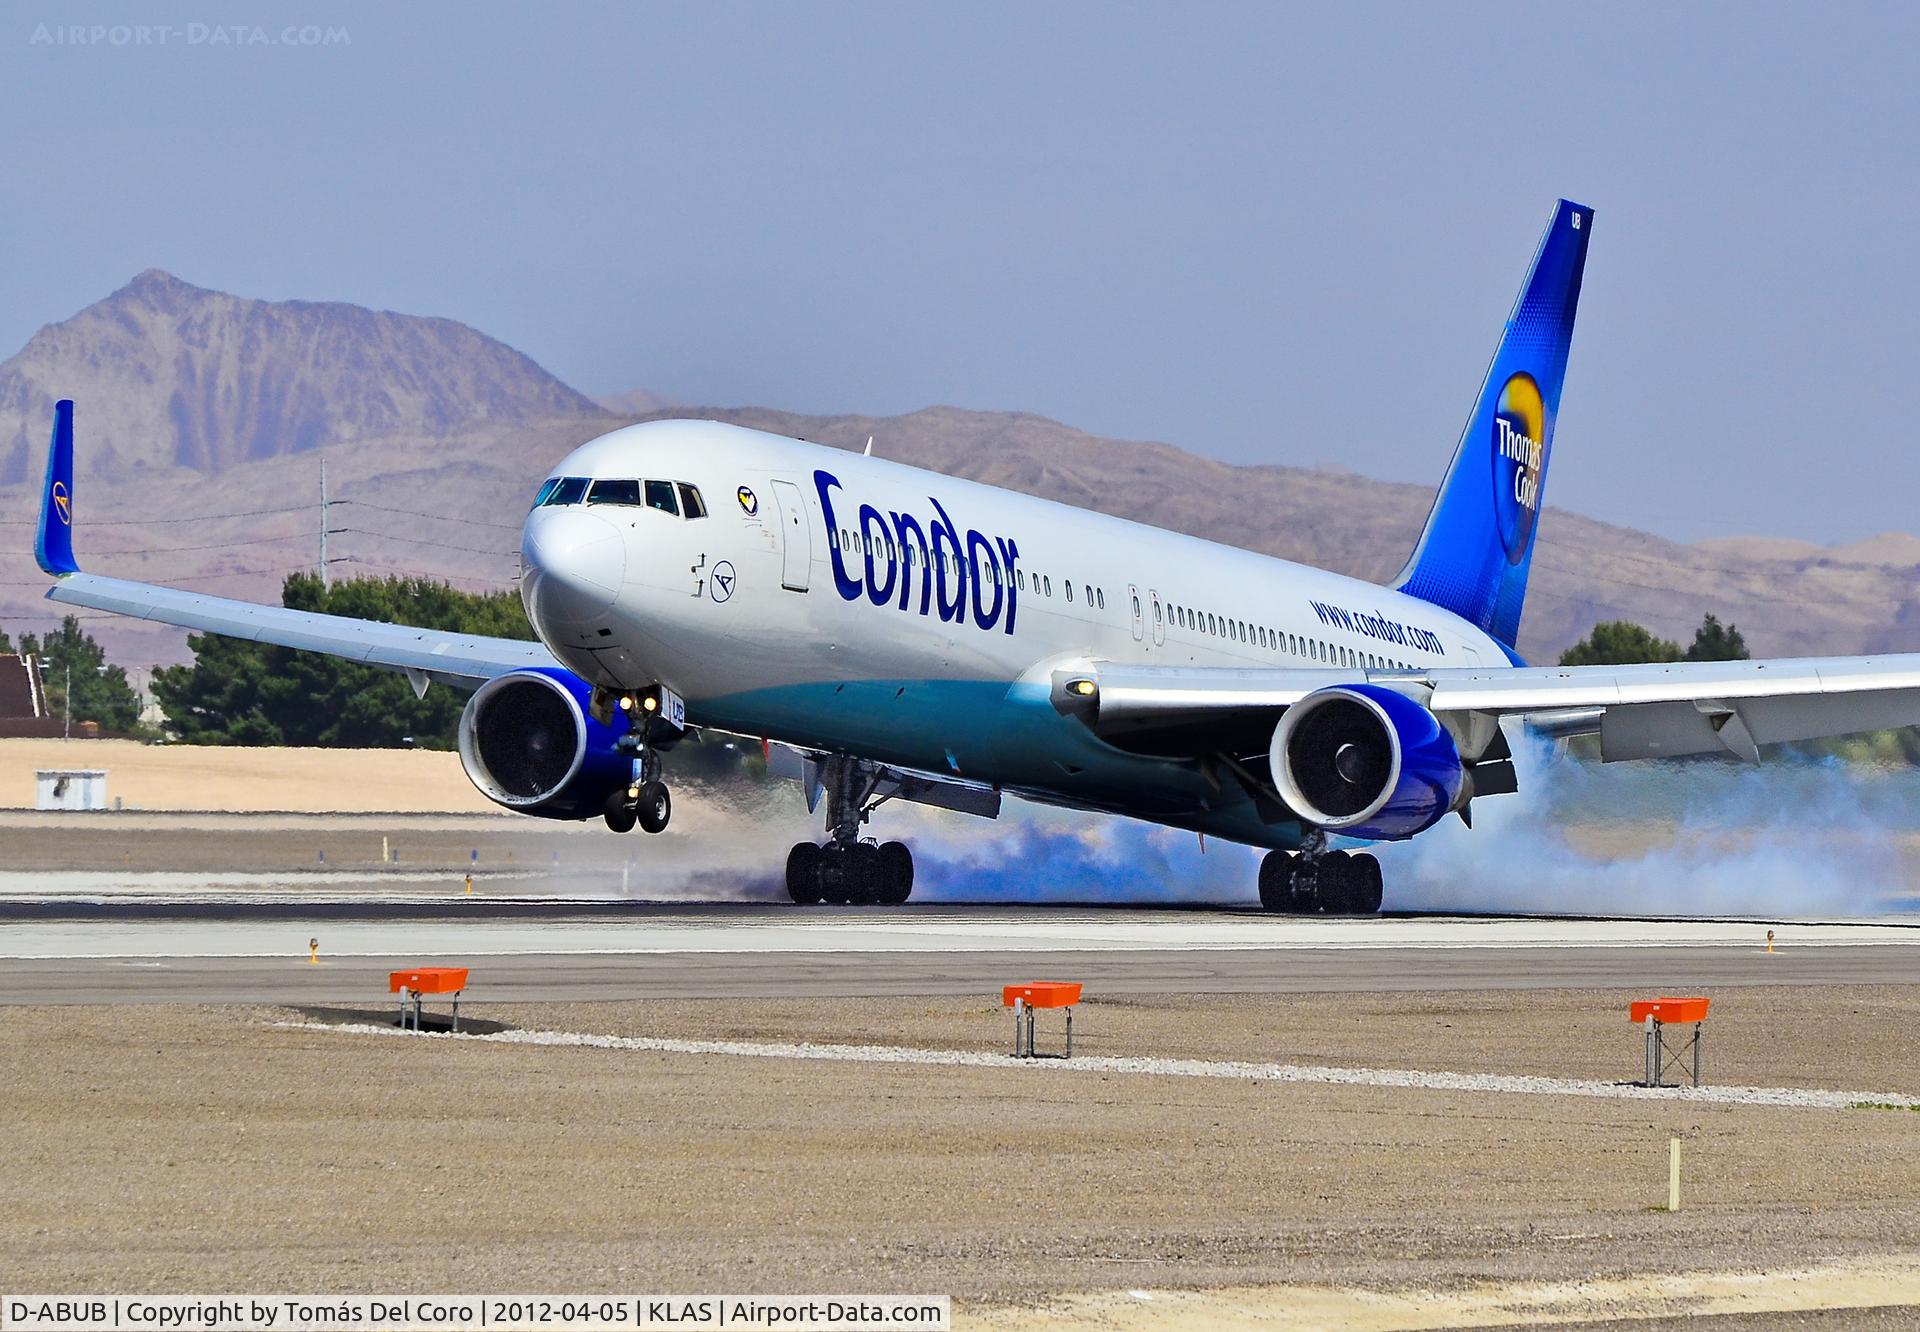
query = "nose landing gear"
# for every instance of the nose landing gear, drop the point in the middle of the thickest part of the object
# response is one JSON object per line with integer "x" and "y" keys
{"x": 646, "y": 802}
{"x": 1315, "y": 879}
{"x": 847, "y": 868}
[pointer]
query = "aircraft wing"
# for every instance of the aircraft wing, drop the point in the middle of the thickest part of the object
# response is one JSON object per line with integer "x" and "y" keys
{"x": 462, "y": 660}
{"x": 1650, "y": 711}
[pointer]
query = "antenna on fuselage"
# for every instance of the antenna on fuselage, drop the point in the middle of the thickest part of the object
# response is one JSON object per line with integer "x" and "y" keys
{"x": 868, "y": 451}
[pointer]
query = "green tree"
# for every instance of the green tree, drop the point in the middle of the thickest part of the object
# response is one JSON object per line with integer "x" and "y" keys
{"x": 1714, "y": 641}
{"x": 6, "y": 644}
{"x": 243, "y": 693}
{"x": 100, "y": 691}
{"x": 1619, "y": 643}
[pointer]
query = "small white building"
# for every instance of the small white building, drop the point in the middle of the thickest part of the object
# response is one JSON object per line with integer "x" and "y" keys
{"x": 70, "y": 788}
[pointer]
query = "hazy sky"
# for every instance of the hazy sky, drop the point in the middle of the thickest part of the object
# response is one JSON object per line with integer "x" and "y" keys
{"x": 1266, "y": 233}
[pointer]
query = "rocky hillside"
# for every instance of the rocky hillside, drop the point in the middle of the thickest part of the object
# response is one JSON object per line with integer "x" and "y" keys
{"x": 435, "y": 437}
{"x": 169, "y": 375}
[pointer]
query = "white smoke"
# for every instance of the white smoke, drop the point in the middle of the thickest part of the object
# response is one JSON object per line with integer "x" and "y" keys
{"x": 1790, "y": 837}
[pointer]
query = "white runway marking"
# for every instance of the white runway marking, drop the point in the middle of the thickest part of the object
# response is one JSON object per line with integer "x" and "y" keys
{"x": 799, "y": 930}
{"x": 1782, "y": 1097}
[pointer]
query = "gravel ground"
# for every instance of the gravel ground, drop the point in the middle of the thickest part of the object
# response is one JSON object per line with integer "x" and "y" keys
{"x": 183, "y": 1149}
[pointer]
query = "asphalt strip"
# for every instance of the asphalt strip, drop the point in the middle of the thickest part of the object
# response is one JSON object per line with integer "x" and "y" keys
{"x": 1794, "y": 1098}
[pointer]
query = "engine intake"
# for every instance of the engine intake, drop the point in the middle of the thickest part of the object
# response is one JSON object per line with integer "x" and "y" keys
{"x": 1366, "y": 761}
{"x": 527, "y": 741}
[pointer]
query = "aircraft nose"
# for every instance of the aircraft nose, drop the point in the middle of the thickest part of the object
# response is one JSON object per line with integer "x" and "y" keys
{"x": 575, "y": 563}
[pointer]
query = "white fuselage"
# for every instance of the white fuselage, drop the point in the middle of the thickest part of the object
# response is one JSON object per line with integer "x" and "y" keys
{"x": 851, "y": 604}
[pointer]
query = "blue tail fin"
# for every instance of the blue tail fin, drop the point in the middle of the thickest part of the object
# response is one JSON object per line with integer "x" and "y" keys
{"x": 54, "y": 548}
{"x": 1473, "y": 557}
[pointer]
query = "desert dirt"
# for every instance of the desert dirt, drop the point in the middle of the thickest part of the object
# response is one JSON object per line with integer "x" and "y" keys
{"x": 242, "y": 780}
{"x": 182, "y": 1149}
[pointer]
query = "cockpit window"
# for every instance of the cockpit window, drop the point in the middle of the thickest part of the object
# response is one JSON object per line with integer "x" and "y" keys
{"x": 660, "y": 496}
{"x": 614, "y": 492}
{"x": 571, "y": 490}
{"x": 546, "y": 489}
{"x": 690, "y": 502}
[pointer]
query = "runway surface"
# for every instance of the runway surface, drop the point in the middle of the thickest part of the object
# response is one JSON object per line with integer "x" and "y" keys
{"x": 140, "y": 950}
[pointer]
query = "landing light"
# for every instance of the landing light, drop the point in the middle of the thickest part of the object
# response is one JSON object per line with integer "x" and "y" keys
{"x": 1084, "y": 688}
{"x": 626, "y": 702}
{"x": 650, "y": 703}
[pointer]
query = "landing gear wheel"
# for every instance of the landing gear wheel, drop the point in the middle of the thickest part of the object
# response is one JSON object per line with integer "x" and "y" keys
{"x": 654, "y": 807}
{"x": 863, "y": 873}
{"x": 895, "y": 865}
{"x": 1276, "y": 881}
{"x": 618, "y": 813}
{"x": 1337, "y": 882}
{"x": 803, "y": 873}
{"x": 1371, "y": 885}
{"x": 835, "y": 874}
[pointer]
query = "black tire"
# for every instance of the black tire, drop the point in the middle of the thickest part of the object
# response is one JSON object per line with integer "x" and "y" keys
{"x": 655, "y": 807}
{"x": 895, "y": 863}
{"x": 1372, "y": 885}
{"x": 803, "y": 873}
{"x": 835, "y": 874}
{"x": 864, "y": 873}
{"x": 618, "y": 813}
{"x": 1338, "y": 878}
{"x": 1276, "y": 881}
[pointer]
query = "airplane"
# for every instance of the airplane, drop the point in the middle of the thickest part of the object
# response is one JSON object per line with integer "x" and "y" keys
{"x": 891, "y": 633}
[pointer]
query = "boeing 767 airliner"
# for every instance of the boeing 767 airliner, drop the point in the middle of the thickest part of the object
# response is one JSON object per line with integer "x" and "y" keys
{"x": 898, "y": 634}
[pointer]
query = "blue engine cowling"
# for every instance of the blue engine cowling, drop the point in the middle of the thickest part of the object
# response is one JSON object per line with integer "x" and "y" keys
{"x": 1366, "y": 761}
{"x": 528, "y": 741}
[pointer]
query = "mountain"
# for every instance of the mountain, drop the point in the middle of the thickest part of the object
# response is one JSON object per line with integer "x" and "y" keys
{"x": 166, "y": 374}
{"x": 435, "y": 437}
{"x": 635, "y": 402}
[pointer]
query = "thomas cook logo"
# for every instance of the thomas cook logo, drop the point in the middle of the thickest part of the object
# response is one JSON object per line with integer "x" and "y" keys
{"x": 749, "y": 502}
{"x": 63, "y": 503}
{"x": 1519, "y": 462}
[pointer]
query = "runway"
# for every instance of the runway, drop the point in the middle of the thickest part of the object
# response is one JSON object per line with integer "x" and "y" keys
{"x": 135, "y": 951}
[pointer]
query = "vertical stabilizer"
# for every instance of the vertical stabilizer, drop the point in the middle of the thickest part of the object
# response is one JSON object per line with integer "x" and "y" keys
{"x": 54, "y": 547}
{"x": 1474, "y": 554}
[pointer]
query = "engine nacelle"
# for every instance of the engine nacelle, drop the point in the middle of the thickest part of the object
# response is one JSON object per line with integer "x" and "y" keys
{"x": 1366, "y": 761}
{"x": 528, "y": 742}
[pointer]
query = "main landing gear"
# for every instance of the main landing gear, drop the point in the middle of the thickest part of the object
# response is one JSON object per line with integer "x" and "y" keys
{"x": 848, "y": 869}
{"x": 1315, "y": 879}
{"x": 645, "y": 803}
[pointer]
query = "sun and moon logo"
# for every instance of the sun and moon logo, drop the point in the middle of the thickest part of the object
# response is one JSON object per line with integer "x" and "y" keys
{"x": 1519, "y": 461}
{"x": 749, "y": 502}
{"x": 63, "y": 503}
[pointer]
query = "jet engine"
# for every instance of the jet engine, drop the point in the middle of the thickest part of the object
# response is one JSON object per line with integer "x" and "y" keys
{"x": 529, "y": 742}
{"x": 1366, "y": 761}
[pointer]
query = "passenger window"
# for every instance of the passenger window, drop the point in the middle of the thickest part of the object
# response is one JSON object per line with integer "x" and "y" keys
{"x": 546, "y": 489}
{"x": 614, "y": 492}
{"x": 690, "y": 502}
{"x": 1069, "y": 589}
{"x": 571, "y": 490}
{"x": 1049, "y": 583}
{"x": 1102, "y": 594}
{"x": 660, "y": 496}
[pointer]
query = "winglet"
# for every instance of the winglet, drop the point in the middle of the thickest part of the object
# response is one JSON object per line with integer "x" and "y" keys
{"x": 54, "y": 548}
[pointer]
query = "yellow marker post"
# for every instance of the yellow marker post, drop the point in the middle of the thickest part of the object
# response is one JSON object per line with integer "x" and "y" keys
{"x": 1769, "y": 941}
{"x": 469, "y": 885}
{"x": 313, "y": 951}
{"x": 1673, "y": 1174}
